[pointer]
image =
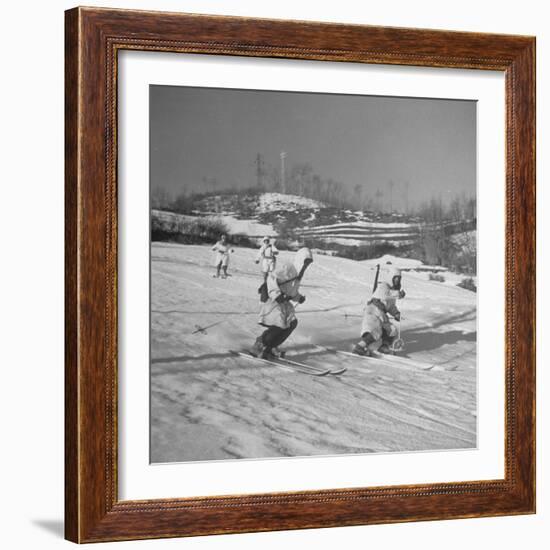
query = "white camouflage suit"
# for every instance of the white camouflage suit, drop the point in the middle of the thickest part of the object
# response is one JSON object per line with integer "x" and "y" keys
{"x": 267, "y": 256}
{"x": 284, "y": 280}
{"x": 376, "y": 321}
{"x": 222, "y": 254}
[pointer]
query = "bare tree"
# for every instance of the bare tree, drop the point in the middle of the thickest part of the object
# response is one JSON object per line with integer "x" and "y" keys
{"x": 160, "y": 198}
{"x": 455, "y": 210}
{"x": 468, "y": 244}
{"x": 316, "y": 187}
{"x": 432, "y": 211}
{"x": 368, "y": 203}
{"x": 379, "y": 195}
{"x": 259, "y": 164}
{"x": 406, "y": 196}
{"x": 357, "y": 194}
{"x": 470, "y": 208}
{"x": 436, "y": 246}
{"x": 300, "y": 178}
{"x": 271, "y": 177}
{"x": 210, "y": 184}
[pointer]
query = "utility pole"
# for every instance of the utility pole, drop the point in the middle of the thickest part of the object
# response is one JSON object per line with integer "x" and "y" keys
{"x": 407, "y": 184}
{"x": 283, "y": 180}
{"x": 390, "y": 185}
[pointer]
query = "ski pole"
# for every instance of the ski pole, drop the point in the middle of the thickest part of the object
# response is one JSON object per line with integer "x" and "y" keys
{"x": 398, "y": 343}
{"x": 376, "y": 278}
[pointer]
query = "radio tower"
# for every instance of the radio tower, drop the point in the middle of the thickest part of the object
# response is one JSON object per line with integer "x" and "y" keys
{"x": 283, "y": 180}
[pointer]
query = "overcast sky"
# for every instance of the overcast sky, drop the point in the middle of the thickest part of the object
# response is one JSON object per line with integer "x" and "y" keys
{"x": 207, "y": 133}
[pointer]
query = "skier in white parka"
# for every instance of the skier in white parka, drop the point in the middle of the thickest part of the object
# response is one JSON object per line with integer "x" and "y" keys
{"x": 377, "y": 331}
{"x": 221, "y": 261}
{"x": 277, "y": 313}
{"x": 267, "y": 257}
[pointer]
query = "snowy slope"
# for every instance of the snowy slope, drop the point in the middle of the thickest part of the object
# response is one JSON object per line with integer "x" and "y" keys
{"x": 416, "y": 269}
{"x": 259, "y": 214}
{"x": 234, "y": 225}
{"x": 397, "y": 261}
{"x": 230, "y": 407}
{"x": 250, "y": 228}
{"x": 363, "y": 232}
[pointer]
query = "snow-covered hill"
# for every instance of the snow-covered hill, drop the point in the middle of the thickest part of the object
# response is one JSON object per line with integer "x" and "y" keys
{"x": 269, "y": 202}
{"x": 230, "y": 407}
{"x": 300, "y": 219}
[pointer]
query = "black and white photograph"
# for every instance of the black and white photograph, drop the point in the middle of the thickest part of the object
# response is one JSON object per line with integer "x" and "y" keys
{"x": 274, "y": 275}
{"x": 313, "y": 281}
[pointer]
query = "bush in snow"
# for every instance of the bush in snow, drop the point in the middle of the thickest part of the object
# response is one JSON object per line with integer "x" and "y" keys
{"x": 206, "y": 228}
{"x": 188, "y": 231}
{"x": 364, "y": 252}
{"x": 468, "y": 283}
{"x": 436, "y": 277}
{"x": 239, "y": 239}
{"x": 184, "y": 204}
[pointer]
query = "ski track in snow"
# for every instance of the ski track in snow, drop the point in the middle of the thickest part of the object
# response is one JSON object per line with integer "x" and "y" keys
{"x": 207, "y": 404}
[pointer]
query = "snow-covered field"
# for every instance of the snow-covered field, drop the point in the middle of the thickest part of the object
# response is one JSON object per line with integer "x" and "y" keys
{"x": 250, "y": 228}
{"x": 364, "y": 232}
{"x": 361, "y": 232}
{"x": 235, "y": 226}
{"x": 412, "y": 265}
{"x": 207, "y": 404}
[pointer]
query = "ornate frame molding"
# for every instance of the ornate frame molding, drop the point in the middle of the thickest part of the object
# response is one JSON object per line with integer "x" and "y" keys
{"x": 93, "y": 39}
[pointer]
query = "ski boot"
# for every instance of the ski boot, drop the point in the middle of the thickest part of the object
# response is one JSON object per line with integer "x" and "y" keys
{"x": 269, "y": 355}
{"x": 361, "y": 349}
{"x": 386, "y": 349}
{"x": 258, "y": 349}
{"x": 278, "y": 353}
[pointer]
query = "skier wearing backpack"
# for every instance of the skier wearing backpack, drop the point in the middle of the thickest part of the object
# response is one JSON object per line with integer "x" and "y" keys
{"x": 377, "y": 331}
{"x": 267, "y": 257}
{"x": 277, "y": 313}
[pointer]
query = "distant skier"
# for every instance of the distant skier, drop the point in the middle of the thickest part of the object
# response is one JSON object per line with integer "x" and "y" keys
{"x": 222, "y": 250}
{"x": 267, "y": 257}
{"x": 377, "y": 331}
{"x": 277, "y": 313}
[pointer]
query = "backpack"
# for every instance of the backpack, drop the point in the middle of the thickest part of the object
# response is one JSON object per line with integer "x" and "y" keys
{"x": 262, "y": 291}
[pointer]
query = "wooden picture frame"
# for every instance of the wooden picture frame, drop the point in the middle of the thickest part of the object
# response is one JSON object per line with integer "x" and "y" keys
{"x": 93, "y": 511}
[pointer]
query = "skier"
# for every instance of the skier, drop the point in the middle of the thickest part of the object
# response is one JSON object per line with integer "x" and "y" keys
{"x": 377, "y": 331}
{"x": 277, "y": 313}
{"x": 393, "y": 285}
{"x": 267, "y": 255}
{"x": 222, "y": 250}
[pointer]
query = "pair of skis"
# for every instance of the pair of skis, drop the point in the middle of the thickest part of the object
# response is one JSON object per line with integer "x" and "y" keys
{"x": 390, "y": 360}
{"x": 394, "y": 361}
{"x": 289, "y": 364}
